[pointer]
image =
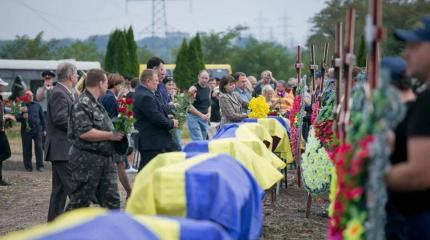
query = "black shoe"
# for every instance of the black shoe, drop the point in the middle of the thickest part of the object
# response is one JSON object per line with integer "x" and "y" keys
{"x": 29, "y": 170}
{"x": 3, "y": 183}
{"x": 40, "y": 169}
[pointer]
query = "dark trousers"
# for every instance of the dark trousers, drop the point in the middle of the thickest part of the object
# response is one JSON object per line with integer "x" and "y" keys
{"x": 147, "y": 155}
{"x": 4, "y": 151}
{"x": 60, "y": 188}
{"x": 27, "y": 144}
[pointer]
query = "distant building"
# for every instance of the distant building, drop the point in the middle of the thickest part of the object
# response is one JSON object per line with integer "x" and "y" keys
{"x": 30, "y": 70}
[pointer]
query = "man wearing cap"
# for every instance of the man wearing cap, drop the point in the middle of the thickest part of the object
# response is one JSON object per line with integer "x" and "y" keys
{"x": 4, "y": 143}
{"x": 42, "y": 92}
{"x": 396, "y": 68}
{"x": 411, "y": 176}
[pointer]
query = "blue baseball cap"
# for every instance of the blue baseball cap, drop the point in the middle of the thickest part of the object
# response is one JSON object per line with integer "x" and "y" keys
{"x": 421, "y": 34}
{"x": 396, "y": 66}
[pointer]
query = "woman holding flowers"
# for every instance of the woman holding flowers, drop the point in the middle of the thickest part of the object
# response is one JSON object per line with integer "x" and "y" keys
{"x": 109, "y": 101}
{"x": 230, "y": 104}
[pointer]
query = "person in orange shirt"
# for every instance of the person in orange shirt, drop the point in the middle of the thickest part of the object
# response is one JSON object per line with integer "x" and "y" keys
{"x": 283, "y": 98}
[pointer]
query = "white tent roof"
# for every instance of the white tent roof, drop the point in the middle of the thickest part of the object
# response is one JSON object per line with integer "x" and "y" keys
{"x": 44, "y": 64}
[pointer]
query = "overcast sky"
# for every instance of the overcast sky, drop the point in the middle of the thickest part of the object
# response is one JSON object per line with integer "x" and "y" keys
{"x": 285, "y": 21}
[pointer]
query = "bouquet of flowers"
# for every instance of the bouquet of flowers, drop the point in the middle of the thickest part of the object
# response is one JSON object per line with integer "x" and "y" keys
{"x": 258, "y": 107}
{"x": 182, "y": 107}
{"x": 125, "y": 120}
{"x": 22, "y": 101}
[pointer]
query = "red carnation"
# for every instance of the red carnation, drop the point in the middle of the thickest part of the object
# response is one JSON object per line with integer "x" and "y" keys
{"x": 130, "y": 114}
{"x": 129, "y": 101}
{"x": 122, "y": 109}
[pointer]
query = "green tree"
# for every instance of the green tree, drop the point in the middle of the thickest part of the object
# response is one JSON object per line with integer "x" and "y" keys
{"x": 396, "y": 14}
{"x": 194, "y": 61}
{"x": 117, "y": 57}
{"x": 132, "y": 52}
{"x": 200, "y": 51}
{"x": 109, "y": 62}
{"x": 257, "y": 56}
{"x": 81, "y": 51}
{"x": 24, "y": 47}
{"x": 219, "y": 47}
{"x": 361, "y": 53}
{"x": 182, "y": 69}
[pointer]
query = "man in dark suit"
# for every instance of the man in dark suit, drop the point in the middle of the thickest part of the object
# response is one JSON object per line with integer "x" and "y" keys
{"x": 57, "y": 145}
{"x": 152, "y": 122}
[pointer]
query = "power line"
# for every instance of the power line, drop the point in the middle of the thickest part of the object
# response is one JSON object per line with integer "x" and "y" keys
{"x": 35, "y": 11}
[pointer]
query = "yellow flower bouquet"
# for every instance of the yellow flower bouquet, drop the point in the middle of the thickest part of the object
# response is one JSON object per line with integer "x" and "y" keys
{"x": 259, "y": 107}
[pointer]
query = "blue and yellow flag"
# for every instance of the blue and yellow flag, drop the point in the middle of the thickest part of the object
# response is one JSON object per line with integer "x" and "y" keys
{"x": 241, "y": 132}
{"x": 205, "y": 187}
{"x": 101, "y": 224}
{"x": 261, "y": 168}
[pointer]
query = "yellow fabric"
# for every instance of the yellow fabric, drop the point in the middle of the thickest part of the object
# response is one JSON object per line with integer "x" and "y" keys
{"x": 260, "y": 131}
{"x": 264, "y": 172}
{"x": 246, "y": 136}
{"x": 164, "y": 228}
{"x": 169, "y": 186}
{"x": 63, "y": 222}
{"x": 276, "y": 129}
{"x": 141, "y": 200}
{"x": 284, "y": 104}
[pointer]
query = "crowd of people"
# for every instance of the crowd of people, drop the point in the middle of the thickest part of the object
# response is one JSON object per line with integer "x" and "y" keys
{"x": 74, "y": 129}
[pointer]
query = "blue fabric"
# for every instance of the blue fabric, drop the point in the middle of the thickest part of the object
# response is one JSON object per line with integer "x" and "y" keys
{"x": 198, "y": 128}
{"x": 192, "y": 229}
{"x": 115, "y": 225}
{"x": 227, "y": 131}
{"x": 197, "y": 146}
{"x": 192, "y": 154}
{"x": 36, "y": 118}
{"x": 109, "y": 102}
{"x": 221, "y": 190}
{"x": 243, "y": 94}
{"x": 251, "y": 120}
{"x": 283, "y": 122}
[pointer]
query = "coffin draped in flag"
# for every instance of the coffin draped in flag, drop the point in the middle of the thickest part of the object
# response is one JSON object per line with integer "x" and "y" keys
{"x": 279, "y": 129}
{"x": 242, "y": 133}
{"x": 206, "y": 187}
{"x": 261, "y": 168}
{"x": 101, "y": 224}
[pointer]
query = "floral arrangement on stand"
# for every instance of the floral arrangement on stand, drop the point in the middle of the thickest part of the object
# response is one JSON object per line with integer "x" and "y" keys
{"x": 323, "y": 125}
{"x": 125, "y": 120}
{"x": 295, "y": 120}
{"x": 258, "y": 107}
{"x": 358, "y": 195}
{"x": 316, "y": 166}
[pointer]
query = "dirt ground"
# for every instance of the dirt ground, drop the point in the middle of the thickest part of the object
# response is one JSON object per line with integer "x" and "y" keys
{"x": 25, "y": 203}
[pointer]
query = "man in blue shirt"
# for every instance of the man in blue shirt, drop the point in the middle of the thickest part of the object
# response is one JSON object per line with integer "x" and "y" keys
{"x": 32, "y": 113}
{"x": 241, "y": 89}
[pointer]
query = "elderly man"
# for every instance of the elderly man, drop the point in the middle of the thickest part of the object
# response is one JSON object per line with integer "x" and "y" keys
{"x": 411, "y": 176}
{"x": 33, "y": 125}
{"x": 57, "y": 146}
{"x": 266, "y": 79}
{"x": 283, "y": 98}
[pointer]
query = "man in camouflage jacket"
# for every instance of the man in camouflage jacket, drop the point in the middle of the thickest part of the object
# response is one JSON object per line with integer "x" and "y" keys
{"x": 91, "y": 132}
